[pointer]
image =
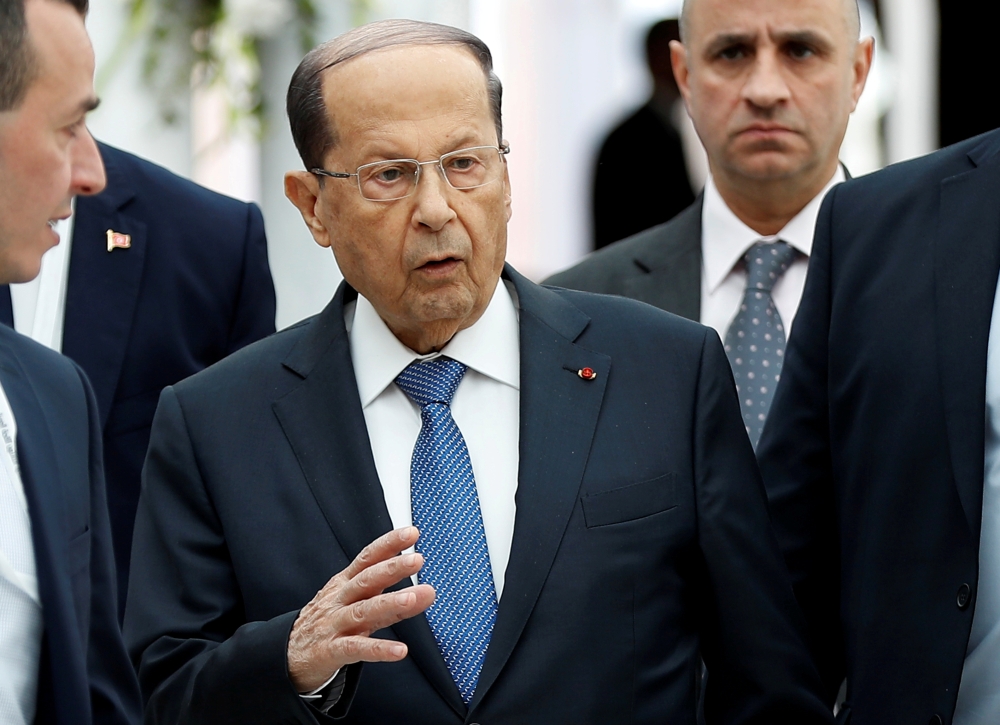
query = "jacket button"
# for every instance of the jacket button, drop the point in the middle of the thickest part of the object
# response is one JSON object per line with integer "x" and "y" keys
{"x": 936, "y": 719}
{"x": 963, "y": 599}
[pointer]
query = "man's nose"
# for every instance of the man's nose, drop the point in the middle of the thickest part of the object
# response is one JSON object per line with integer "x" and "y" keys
{"x": 766, "y": 87}
{"x": 88, "y": 169}
{"x": 433, "y": 209}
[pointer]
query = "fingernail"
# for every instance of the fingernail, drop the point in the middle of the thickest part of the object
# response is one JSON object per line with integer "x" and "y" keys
{"x": 412, "y": 559}
{"x": 398, "y": 650}
{"x": 404, "y": 599}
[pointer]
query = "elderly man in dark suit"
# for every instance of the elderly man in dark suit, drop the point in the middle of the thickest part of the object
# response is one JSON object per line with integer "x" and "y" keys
{"x": 62, "y": 660}
{"x": 770, "y": 85}
{"x": 882, "y": 454}
{"x": 571, "y": 469}
{"x": 162, "y": 278}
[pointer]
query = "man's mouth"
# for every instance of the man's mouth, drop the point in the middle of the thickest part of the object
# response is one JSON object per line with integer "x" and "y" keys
{"x": 440, "y": 265}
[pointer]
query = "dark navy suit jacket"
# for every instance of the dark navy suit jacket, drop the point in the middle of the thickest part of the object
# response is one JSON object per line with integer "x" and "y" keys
{"x": 193, "y": 287}
{"x": 873, "y": 453}
{"x": 84, "y": 676}
{"x": 641, "y": 538}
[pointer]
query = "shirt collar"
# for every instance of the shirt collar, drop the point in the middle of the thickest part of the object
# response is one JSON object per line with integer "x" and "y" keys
{"x": 490, "y": 346}
{"x": 725, "y": 239}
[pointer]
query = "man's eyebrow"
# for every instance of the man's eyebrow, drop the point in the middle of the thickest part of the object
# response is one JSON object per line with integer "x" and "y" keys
{"x": 726, "y": 40}
{"x": 803, "y": 37}
{"x": 89, "y": 104}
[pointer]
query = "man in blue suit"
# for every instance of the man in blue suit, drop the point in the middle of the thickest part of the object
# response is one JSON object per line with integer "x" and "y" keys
{"x": 61, "y": 655}
{"x": 181, "y": 281}
{"x": 571, "y": 469}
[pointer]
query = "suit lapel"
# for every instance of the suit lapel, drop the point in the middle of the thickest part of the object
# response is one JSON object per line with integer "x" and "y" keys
{"x": 103, "y": 286}
{"x": 325, "y": 426}
{"x": 41, "y": 480}
{"x": 669, "y": 271}
{"x": 966, "y": 263}
{"x": 559, "y": 413}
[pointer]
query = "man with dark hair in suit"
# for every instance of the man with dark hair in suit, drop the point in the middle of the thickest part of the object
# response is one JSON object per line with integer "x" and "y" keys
{"x": 571, "y": 468}
{"x": 770, "y": 85}
{"x": 156, "y": 279}
{"x": 62, "y": 660}
{"x": 650, "y": 133}
{"x": 882, "y": 453}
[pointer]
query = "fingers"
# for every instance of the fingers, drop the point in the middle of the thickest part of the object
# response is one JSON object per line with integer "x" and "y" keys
{"x": 370, "y": 615}
{"x": 383, "y": 548}
{"x": 379, "y": 577}
{"x": 366, "y": 649}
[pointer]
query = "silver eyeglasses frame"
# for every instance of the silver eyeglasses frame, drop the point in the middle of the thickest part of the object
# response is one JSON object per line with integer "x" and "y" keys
{"x": 439, "y": 162}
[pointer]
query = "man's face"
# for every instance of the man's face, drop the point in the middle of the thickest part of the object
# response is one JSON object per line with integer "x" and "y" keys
{"x": 770, "y": 84}
{"x": 429, "y": 263}
{"x": 47, "y": 156}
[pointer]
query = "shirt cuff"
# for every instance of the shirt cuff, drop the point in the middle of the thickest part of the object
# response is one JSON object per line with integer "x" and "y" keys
{"x": 324, "y": 697}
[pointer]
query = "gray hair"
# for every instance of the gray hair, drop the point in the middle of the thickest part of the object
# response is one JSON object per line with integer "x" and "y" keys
{"x": 312, "y": 128}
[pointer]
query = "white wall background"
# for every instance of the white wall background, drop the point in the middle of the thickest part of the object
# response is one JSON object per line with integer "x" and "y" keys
{"x": 570, "y": 68}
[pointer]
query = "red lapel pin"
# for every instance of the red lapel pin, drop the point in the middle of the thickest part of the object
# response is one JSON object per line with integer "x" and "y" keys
{"x": 117, "y": 240}
{"x": 587, "y": 373}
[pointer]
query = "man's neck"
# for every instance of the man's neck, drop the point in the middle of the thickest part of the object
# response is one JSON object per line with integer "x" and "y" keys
{"x": 768, "y": 207}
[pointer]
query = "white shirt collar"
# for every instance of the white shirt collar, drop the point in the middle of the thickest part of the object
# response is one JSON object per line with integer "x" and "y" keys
{"x": 490, "y": 346}
{"x": 725, "y": 239}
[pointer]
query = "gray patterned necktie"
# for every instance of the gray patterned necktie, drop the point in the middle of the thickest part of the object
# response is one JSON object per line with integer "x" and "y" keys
{"x": 755, "y": 341}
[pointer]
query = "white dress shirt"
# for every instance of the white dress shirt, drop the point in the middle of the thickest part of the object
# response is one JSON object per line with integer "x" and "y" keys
{"x": 979, "y": 691}
{"x": 725, "y": 239}
{"x": 40, "y": 305}
{"x": 486, "y": 408}
{"x": 20, "y": 605}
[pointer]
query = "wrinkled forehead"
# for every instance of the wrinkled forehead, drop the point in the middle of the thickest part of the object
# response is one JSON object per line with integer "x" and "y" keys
{"x": 406, "y": 84}
{"x": 703, "y": 20}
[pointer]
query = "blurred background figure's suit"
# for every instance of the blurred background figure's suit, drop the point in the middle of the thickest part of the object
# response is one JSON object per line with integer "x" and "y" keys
{"x": 641, "y": 177}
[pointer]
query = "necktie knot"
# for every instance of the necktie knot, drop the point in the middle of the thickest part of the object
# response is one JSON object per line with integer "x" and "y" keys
{"x": 432, "y": 381}
{"x": 766, "y": 262}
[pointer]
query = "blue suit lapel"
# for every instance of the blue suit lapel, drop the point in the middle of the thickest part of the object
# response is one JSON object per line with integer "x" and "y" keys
{"x": 42, "y": 488}
{"x": 559, "y": 412}
{"x": 103, "y": 286}
{"x": 966, "y": 265}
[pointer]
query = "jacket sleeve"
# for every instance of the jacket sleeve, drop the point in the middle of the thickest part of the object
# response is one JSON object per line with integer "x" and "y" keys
{"x": 199, "y": 661}
{"x": 795, "y": 462}
{"x": 759, "y": 670}
{"x": 255, "y": 306}
{"x": 114, "y": 693}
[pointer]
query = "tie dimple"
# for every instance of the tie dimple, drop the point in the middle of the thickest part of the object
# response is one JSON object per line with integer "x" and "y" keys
{"x": 755, "y": 341}
{"x": 445, "y": 505}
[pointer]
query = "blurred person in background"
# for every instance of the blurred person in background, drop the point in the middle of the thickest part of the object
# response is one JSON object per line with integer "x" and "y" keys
{"x": 770, "y": 86}
{"x": 650, "y": 133}
{"x": 62, "y": 660}
{"x": 156, "y": 278}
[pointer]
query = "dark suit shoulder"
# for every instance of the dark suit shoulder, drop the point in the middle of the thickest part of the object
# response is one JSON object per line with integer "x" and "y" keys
{"x": 903, "y": 180}
{"x": 50, "y": 371}
{"x": 620, "y": 324}
{"x": 607, "y": 270}
{"x": 155, "y": 184}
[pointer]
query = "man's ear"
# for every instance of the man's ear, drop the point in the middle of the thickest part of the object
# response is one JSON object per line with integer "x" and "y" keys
{"x": 506, "y": 190}
{"x": 303, "y": 190}
{"x": 679, "y": 62}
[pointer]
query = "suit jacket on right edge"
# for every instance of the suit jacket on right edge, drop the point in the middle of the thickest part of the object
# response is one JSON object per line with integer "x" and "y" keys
{"x": 873, "y": 454}
{"x": 641, "y": 538}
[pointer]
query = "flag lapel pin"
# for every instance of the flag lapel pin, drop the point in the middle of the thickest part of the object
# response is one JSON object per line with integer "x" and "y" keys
{"x": 117, "y": 240}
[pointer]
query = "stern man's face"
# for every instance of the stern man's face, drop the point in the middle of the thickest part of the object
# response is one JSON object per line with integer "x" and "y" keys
{"x": 429, "y": 263}
{"x": 47, "y": 155}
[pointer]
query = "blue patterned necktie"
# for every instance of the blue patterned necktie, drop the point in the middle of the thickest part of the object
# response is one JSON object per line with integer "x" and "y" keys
{"x": 755, "y": 341}
{"x": 452, "y": 538}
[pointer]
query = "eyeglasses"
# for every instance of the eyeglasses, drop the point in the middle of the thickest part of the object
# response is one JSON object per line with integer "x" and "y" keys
{"x": 397, "y": 178}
